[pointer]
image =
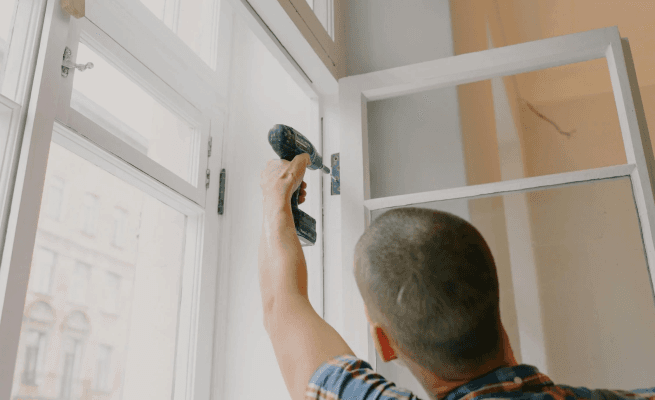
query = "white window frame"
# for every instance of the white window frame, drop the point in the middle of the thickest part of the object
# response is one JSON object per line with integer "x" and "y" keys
{"x": 49, "y": 119}
{"x": 305, "y": 45}
{"x": 356, "y": 91}
{"x": 19, "y": 71}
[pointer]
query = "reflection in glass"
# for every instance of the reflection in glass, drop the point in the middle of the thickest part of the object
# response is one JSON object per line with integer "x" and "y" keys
{"x": 194, "y": 21}
{"x": 113, "y": 101}
{"x": 101, "y": 321}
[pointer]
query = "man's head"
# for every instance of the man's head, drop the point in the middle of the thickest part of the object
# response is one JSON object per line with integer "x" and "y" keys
{"x": 429, "y": 279}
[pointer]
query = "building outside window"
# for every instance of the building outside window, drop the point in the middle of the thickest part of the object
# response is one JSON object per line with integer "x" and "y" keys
{"x": 89, "y": 213}
{"x": 54, "y": 198}
{"x": 120, "y": 227}
{"x": 34, "y": 350}
{"x": 71, "y": 362}
{"x": 79, "y": 283}
{"x": 112, "y": 293}
{"x": 43, "y": 264}
{"x": 103, "y": 367}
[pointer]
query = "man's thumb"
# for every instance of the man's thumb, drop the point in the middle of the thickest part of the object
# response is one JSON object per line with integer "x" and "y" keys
{"x": 304, "y": 158}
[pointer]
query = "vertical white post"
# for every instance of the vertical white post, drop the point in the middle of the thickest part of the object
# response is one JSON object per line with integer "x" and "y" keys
{"x": 26, "y": 202}
{"x": 354, "y": 190}
{"x": 636, "y": 140}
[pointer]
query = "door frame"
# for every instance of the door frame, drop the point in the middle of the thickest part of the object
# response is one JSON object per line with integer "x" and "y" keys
{"x": 356, "y": 91}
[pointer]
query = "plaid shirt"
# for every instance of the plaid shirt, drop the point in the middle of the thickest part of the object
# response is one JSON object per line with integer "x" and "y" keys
{"x": 350, "y": 378}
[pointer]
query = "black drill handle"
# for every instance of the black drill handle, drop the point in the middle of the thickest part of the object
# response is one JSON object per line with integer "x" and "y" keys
{"x": 287, "y": 144}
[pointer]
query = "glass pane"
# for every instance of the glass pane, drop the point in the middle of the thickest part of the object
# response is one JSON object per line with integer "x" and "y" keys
{"x": 538, "y": 123}
{"x": 583, "y": 244}
{"x": 7, "y": 12}
{"x": 107, "y": 325}
{"x": 194, "y": 21}
{"x": 123, "y": 108}
{"x": 324, "y": 10}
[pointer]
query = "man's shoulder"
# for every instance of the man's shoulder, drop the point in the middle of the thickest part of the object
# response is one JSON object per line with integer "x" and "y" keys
{"x": 349, "y": 377}
{"x": 606, "y": 394}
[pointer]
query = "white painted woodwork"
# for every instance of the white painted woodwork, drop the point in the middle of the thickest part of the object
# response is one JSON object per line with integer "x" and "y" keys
{"x": 311, "y": 21}
{"x": 26, "y": 201}
{"x": 355, "y": 91}
{"x": 96, "y": 134}
{"x": 20, "y": 65}
{"x": 259, "y": 27}
{"x": 21, "y": 59}
{"x": 134, "y": 28}
{"x": 635, "y": 139}
{"x": 473, "y": 67}
{"x": 194, "y": 186}
{"x": 315, "y": 33}
{"x": 73, "y": 7}
{"x": 262, "y": 95}
{"x": 10, "y": 113}
{"x": 270, "y": 19}
{"x": 515, "y": 185}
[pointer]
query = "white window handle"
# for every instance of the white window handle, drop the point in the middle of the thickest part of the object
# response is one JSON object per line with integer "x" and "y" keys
{"x": 67, "y": 63}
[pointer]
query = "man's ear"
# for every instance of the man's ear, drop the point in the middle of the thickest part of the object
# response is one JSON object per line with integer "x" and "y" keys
{"x": 382, "y": 344}
{"x": 381, "y": 340}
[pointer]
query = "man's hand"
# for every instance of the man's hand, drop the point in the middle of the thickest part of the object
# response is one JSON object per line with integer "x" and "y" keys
{"x": 282, "y": 178}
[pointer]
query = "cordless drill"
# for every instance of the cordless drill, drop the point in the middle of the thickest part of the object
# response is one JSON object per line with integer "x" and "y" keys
{"x": 288, "y": 143}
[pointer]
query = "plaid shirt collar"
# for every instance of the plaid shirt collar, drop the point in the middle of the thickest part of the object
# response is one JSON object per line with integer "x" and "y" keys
{"x": 503, "y": 379}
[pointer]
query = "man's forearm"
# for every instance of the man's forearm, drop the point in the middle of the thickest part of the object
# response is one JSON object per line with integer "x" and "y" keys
{"x": 282, "y": 267}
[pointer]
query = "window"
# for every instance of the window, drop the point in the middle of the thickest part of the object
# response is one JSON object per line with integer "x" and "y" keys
{"x": 104, "y": 162}
{"x": 34, "y": 350}
{"x": 72, "y": 355}
{"x": 79, "y": 283}
{"x": 103, "y": 364}
{"x": 89, "y": 214}
{"x": 112, "y": 293}
{"x": 55, "y": 196}
{"x": 324, "y": 10}
{"x": 7, "y": 10}
{"x": 120, "y": 226}
{"x": 194, "y": 21}
{"x": 42, "y": 270}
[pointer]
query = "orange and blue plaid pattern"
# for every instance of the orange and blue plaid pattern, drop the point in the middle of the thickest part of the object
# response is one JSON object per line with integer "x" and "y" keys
{"x": 350, "y": 378}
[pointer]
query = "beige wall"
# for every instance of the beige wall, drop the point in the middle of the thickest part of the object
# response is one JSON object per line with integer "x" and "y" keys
{"x": 595, "y": 295}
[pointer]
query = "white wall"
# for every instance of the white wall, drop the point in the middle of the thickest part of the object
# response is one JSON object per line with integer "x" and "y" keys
{"x": 261, "y": 95}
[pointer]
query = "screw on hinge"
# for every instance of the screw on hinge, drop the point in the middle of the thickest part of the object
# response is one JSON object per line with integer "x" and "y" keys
{"x": 221, "y": 192}
{"x": 208, "y": 172}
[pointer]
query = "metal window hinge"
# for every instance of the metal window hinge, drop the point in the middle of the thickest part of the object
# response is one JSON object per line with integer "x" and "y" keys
{"x": 68, "y": 64}
{"x": 209, "y": 150}
{"x": 335, "y": 188}
{"x": 221, "y": 192}
{"x": 208, "y": 172}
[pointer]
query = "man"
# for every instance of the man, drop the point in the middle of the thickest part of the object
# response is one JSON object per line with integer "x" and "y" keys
{"x": 431, "y": 297}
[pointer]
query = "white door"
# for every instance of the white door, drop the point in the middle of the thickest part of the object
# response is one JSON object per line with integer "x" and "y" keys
{"x": 607, "y": 209}
{"x": 114, "y": 185}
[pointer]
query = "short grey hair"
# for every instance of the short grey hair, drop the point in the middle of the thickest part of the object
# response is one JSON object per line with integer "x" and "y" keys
{"x": 429, "y": 278}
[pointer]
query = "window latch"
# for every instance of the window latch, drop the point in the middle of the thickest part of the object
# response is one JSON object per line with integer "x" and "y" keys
{"x": 68, "y": 64}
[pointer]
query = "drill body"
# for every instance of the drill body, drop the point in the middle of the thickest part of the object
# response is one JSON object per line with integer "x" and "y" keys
{"x": 287, "y": 144}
